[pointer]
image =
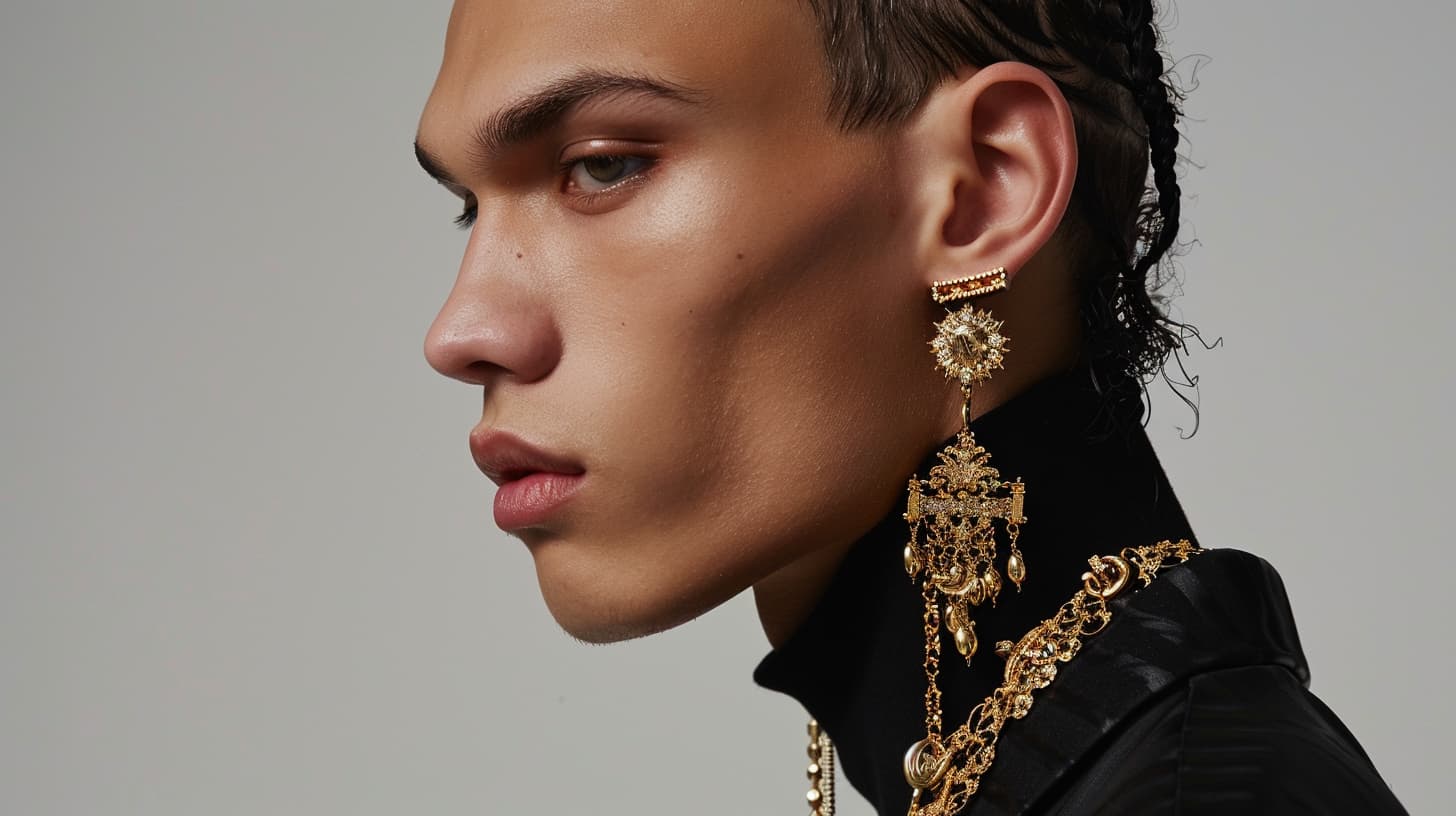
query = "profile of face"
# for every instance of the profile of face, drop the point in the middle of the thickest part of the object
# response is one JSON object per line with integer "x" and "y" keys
{"x": 694, "y": 289}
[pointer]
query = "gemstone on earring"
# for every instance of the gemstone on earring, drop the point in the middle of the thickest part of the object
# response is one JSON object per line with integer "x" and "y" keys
{"x": 968, "y": 345}
{"x": 992, "y": 280}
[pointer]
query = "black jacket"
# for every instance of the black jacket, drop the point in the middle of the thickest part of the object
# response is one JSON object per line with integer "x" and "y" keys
{"x": 1192, "y": 701}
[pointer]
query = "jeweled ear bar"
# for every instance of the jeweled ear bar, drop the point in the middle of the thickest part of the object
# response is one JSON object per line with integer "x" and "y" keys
{"x": 974, "y": 286}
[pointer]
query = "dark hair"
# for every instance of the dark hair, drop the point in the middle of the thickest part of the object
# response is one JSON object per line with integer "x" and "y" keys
{"x": 885, "y": 55}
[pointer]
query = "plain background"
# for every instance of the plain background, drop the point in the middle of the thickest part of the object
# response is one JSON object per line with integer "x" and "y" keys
{"x": 249, "y": 568}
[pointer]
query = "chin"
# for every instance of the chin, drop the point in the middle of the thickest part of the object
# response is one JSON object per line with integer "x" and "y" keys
{"x": 602, "y": 630}
{"x": 610, "y": 603}
{"x": 604, "y": 619}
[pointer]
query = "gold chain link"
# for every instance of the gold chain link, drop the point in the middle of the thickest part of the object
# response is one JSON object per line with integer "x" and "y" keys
{"x": 951, "y": 769}
{"x": 1031, "y": 664}
{"x": 932, "y": 660}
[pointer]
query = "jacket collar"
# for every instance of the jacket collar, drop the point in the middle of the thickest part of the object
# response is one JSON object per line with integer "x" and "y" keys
{"x": 1222, "y": 609}
{"x": 856, "y": 661}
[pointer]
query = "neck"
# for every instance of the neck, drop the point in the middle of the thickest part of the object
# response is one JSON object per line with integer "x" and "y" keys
{"x": 854, "y": 659}
{"x": 786, "y": 597}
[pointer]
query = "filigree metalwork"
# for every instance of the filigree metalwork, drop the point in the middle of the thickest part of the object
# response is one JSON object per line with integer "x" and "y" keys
{"x": 946, "y": 771}
{"x": 969, "y": 345}
{"x": 957, "y": 508}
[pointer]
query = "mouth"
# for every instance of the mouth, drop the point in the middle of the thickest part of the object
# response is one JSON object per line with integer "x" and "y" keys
{"x": 534, "y": 482}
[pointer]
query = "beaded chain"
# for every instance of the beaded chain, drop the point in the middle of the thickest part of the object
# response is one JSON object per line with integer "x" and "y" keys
{"x": 821, "y": 772}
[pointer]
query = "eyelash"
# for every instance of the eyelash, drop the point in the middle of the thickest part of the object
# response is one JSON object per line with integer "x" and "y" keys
{"x": 466, "y": 219}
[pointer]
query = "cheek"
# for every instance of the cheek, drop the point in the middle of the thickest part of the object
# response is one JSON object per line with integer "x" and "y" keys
{"x": 742, "y": 364}
{"x": 763, "y": 328}
{"x": 834, "y": 364}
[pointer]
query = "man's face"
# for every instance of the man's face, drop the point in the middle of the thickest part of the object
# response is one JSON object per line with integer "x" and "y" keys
{"x": 685, "y": 278}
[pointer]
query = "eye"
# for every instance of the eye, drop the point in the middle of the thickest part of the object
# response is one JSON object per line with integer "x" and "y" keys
{"x": 594, "y": 174}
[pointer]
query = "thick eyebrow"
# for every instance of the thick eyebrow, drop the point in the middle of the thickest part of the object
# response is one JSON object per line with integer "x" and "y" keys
{"x": 540, "y": 110}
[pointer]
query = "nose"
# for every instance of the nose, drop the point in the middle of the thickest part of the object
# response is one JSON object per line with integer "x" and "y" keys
{"x": 492, "y": 324}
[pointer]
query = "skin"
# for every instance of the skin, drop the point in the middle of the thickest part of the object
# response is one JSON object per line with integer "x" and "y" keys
{"x": 732, "y": 336}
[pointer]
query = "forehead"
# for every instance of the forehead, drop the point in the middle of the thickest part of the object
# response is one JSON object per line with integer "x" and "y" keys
{"x": 739, "y": 52}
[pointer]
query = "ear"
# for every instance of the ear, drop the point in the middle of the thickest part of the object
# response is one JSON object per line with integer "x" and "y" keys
{"x": 998, "y": 161}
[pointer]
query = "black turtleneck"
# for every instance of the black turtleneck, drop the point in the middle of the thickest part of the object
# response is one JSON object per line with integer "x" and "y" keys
{"x": 856, "y": 661}
{"x": 1193, "y": 700}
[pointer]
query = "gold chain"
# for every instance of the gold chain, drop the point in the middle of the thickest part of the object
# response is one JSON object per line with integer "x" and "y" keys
{"x": 821, "y": 772}
{"x": 950, "y": 769}
{"x": 932, "y": 660}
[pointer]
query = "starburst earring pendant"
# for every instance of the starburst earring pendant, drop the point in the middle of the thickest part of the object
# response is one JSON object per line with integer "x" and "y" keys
{"x": 969, "y": 346}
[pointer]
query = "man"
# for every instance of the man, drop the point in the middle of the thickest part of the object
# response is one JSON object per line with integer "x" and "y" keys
{"x": 694, "y": 295}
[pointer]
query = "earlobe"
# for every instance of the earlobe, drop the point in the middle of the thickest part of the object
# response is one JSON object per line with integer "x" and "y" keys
{"x": 1001, "y": 154}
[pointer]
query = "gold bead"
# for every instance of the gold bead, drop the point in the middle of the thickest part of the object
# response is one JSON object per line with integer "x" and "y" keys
{"x": 912, "y": 563}
{"x": 965, "y": 641}
{"x": 1015, "y": 569}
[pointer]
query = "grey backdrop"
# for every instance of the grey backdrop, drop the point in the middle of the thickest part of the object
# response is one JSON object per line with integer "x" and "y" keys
{"x": 249, "y": 568}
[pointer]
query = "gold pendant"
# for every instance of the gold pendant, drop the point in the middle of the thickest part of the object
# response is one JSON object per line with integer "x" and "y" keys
{"x": 958, "y": 506}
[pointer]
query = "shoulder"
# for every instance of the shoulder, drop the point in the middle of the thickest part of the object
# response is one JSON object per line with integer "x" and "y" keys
{"x": 1193, "y": 700}
{"x": 1259, "y": 732}
{"x": 1251, "y": 738}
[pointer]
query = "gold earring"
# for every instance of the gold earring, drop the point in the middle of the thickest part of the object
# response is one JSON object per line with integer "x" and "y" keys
{"x": 958, "y": 504}
{"x": 964, "y": 496}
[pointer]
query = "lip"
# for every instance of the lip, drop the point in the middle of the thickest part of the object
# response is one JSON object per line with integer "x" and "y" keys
{"x": 534, "y": 483}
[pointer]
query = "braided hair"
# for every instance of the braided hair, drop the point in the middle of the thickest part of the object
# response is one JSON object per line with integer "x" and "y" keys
{"x": 1105, "y": 56}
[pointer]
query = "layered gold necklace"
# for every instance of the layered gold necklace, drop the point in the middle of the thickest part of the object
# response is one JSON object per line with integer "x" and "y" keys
{"x": 945, "y": 771}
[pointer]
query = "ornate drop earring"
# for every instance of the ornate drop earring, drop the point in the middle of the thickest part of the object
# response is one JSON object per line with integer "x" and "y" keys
{"x": 963, "y": 495}
{"x": 958, "y": 505}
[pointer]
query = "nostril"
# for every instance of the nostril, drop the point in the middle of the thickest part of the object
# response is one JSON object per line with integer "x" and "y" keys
{"x": 481, "y": 372}
{"x": 461, "y": 356}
